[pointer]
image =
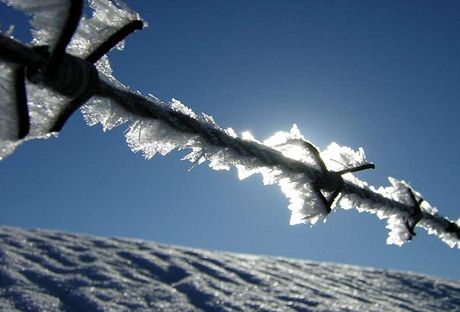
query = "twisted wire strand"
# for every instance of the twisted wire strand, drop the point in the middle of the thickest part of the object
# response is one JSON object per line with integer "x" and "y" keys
{"x": 152, "y": 109}
{"x": 146, "y": 108}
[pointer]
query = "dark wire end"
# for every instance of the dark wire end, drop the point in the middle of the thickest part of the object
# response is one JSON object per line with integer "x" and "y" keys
{"x": 22, "y": 109}
{"x": 316, "y": 155}
{"x": 356, "y": 169}
{"x": 68, "y": 110}
{"x": 453, "y": 228}
{"x": 112, "y": 41}
{"x": 412, "y": 196}
{"x": 73, "y": 19}
{"x": 416, "y": 215}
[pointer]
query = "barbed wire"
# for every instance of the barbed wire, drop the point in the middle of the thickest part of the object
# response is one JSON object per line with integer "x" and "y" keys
{"x": 149, "y": 108}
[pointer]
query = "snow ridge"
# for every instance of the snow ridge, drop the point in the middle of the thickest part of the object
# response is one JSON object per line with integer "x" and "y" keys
{"x": 155, "y": 127}
{"x": 56, "y": 271}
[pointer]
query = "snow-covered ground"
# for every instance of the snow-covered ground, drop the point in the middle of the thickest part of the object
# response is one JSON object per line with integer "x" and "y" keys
{"x": 56, "y": 271}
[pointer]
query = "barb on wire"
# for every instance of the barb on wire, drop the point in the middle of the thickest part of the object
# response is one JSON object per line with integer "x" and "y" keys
{"x": 329, "y": 181}
{"x": 63, "y": 73}
{"x": 21, "y": 102}
{"x": 416, "y": 215}
{"x": 308, "y": 178}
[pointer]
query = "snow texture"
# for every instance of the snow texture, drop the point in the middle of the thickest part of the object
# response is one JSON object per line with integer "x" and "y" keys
{"x": 156, "y": 136}
{"x": 55, "y": 271}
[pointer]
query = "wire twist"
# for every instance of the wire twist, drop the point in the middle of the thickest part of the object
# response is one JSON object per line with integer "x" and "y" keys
{"x": 266, "y": 156}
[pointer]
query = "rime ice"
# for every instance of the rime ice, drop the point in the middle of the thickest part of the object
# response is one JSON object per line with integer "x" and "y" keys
{"x": 48, "y": 18}
{"x": 158, "y": 136}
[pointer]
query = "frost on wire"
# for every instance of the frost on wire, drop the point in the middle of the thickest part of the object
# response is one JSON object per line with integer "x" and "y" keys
{"x": 155, "y": 136}
{"x": 47, "y": 19}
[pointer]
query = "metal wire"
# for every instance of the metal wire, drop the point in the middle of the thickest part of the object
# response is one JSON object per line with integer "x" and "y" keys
{"x": 150, "y": 109}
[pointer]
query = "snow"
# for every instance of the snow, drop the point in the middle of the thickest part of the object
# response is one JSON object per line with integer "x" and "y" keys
{"x": 55, "y": 271}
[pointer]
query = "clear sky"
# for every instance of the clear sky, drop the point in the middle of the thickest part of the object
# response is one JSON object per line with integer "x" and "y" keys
{"x": 383, "y": 75}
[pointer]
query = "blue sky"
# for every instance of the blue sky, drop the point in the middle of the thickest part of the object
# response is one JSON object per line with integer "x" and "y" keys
{"x": 381, "y": 75}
